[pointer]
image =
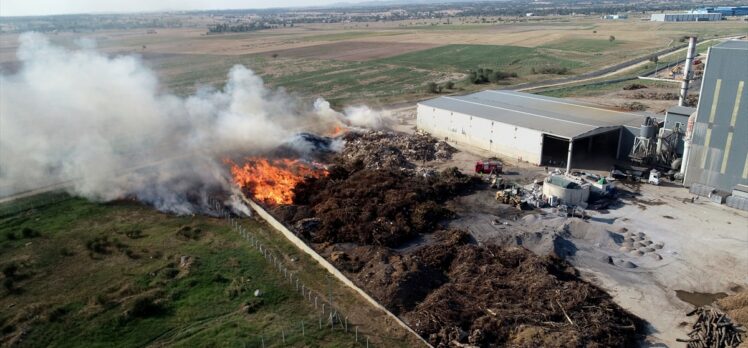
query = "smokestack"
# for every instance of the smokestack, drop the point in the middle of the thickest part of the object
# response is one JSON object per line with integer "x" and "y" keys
{"x": 687, "y": 71}
{"x": 687, "y": 143}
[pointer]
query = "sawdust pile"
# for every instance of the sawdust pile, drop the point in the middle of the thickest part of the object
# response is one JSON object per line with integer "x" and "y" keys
{"x": 736, "y": 307}
{"x": 383, "y": 150}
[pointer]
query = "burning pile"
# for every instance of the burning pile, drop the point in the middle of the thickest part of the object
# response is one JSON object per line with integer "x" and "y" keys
{"x": 273, "y": 181}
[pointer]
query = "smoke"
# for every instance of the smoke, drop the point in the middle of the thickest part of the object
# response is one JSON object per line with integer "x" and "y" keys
{"x": 104, "y": 125}
{"x": 356, "y": 116}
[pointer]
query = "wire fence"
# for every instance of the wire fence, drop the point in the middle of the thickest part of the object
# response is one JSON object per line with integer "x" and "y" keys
{"x": 329, "y": 317}
{"x": 33, "y": 202}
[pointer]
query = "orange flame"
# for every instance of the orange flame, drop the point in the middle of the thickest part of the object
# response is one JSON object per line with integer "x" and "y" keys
{"x": 272, "y": 181}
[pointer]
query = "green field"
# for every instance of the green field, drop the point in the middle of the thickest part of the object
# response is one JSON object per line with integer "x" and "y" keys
{"x": 461, "y": 58}
{"x": 584, "y": 45}
{"x": 77, "y": 273}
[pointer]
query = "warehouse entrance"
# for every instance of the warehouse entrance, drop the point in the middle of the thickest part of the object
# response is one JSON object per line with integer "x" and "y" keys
{"x": 594, "y": 152}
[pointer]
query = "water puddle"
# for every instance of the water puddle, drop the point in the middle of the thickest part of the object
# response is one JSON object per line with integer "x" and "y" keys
{"x": 699, "y": 299}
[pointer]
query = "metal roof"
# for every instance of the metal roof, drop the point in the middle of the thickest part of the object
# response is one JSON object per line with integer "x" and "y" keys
{"x": 681, "y": 110}
{"x": 559, "y": 117}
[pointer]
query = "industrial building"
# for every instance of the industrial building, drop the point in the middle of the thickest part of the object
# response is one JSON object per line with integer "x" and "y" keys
{"x": 727, "y": 11}
{"x": 615, "y": 16}
{"x": 532, "y": 128}
{"x": 686, "y": 17}
{"x": 717, "y": 145}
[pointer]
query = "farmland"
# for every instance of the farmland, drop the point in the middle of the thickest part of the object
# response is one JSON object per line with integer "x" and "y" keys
{"x": 382, "y": 63}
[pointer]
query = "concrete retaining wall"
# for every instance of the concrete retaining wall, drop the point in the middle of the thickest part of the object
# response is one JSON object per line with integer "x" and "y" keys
{"x": 328, "y": 266}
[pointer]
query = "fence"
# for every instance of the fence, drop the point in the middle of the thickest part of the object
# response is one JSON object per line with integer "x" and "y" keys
{"x": 330, "y": 317}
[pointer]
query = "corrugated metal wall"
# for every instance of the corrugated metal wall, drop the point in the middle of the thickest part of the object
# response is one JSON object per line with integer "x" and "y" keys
{"x": 719, "y": 150}
{"x": 503, "y": 139}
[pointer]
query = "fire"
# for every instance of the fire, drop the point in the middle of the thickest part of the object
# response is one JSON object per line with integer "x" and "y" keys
{"x": 272, "y": 181}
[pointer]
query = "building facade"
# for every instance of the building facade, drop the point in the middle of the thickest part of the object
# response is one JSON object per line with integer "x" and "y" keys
{"x": 718, "y": 155}
{"x": 686, "y": 17}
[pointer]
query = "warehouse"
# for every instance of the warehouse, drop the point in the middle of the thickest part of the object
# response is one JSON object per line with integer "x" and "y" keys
{"x": 532, "y": 128}
{"x": 718, "y": 155}
{"x": 686, "y": 17}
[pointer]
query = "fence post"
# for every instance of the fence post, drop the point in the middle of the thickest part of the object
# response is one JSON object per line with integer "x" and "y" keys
{"x": 303, "y": 332}
{"x": 356, "y": 328}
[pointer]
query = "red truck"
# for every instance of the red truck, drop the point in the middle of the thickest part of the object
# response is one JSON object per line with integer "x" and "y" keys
{"x": 488, "y": 167}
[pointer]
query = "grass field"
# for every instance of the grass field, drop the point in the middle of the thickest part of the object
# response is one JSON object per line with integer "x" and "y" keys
{"x": 584, "y": 45}
{"x": 460, "y": 58}
{"x": 390, "y": 62}
{"x": 111, "y": 275}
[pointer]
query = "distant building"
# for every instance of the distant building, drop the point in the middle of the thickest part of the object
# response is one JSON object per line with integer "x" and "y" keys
{"x": 616, "y": 16}
{"x": 718, "y": 154}
{"x": 726, "y": 11}
{"x": 686, "y": 17}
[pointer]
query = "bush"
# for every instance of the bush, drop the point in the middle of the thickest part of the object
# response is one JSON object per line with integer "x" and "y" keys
{"x": 145, "y": 307}
{"x": 29, "y": 233}
{"x": 99, "y": 245}
{"x": 187, "y": 232}
{"x": 449, "y": 85}
{"x": 433, "y": 88}
{"x": 551, "y": 70}
{"x": 10, "y": 235}
{"x": 8, "y": 285}
{"x": 134, "y": 234}
{"x": 10, "y": 270}
{"x": 66, "y": 252}
{"x": 481, "y": 76}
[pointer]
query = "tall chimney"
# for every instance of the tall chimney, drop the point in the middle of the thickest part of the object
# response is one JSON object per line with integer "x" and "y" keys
{"x": 687, "y": 70}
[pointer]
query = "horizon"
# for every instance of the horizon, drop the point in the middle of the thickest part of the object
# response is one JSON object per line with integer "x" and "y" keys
{"x": 39, "y": 8}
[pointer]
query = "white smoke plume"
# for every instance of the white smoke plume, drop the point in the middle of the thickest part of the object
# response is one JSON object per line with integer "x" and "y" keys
{"x": 104, "y": 125}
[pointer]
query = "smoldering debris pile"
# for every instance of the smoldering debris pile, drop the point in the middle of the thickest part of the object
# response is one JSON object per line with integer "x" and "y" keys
{"x": 713, "y": 329}
{"x": 453, "y": 293}
{"x": 381, "y": 149}
{"x": 373, "y": 207}
{"x": 499, "y": 296}
{"x": 382, "y": 225}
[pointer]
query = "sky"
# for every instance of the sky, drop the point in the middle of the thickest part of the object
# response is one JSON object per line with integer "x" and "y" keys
{"x": 49, "y": 7}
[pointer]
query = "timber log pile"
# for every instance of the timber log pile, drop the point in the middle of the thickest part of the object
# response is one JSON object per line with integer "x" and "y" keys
{"x": 713, "y": 329}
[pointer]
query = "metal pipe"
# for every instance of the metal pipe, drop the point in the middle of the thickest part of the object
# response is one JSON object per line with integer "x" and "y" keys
{"x": 687, "y": 143}
{"x": 687, "y": 71}
{"x": 568, "y": 160}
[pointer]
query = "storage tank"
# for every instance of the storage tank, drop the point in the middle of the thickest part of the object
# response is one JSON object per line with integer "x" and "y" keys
{"x": 648, "y": 129}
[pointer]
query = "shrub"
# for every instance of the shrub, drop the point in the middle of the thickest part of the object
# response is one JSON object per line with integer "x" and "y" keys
{"x": 187, "y": 232}
{"x": 29, "y": 233}
{"x": 10, "y": 270}
{"x": 10, "y": 235}
{"x": 551, "y": 70}
{"x": 433, "y": 88}
{"x": 99, "y": 245}
{"x": 145, "y": 307}
{"x": 134, "y": 234}
{"x": 449, "y": 85}
{"x": 8, "y": 285}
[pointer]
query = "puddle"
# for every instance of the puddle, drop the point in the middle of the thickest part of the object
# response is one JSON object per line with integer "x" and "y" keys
{"x": 699, "y": 299}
